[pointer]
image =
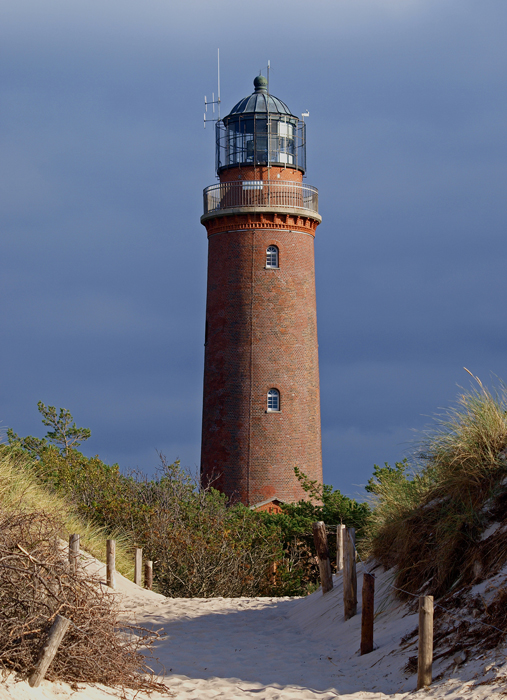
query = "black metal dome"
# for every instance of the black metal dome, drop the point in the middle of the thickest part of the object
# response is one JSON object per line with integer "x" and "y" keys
{"x": 260, "y": 130}
{"x": 260, "y": 102}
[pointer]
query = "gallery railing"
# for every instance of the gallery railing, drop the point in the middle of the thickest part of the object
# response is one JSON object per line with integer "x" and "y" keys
{"x": 260, "y": 193}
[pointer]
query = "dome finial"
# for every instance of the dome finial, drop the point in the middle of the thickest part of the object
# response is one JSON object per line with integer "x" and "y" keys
{"x": 261, "y": 84}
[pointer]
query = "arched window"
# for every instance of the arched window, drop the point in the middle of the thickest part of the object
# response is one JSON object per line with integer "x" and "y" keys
{"x": 273, "y": 400}
{"x": 272, "y": 256}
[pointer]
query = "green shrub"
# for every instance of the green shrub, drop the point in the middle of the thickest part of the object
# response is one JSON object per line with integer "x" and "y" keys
{"x": 297, "y": 571}
{"x": 201, "y": 545}
{"x": 22, "y": 491}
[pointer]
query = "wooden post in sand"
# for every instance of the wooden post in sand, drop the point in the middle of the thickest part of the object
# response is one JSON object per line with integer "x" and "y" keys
{"x": 340, "y": 530}
{"x": 349, "y": 574}
{"x": 138, "y": 566}
{"x": 320, "y": 539}
{"x": 425, "y": 651}
{"x": 272, "y": 573}
{"x": 111, "y": 563}
{"x": 367, "y": 613}
{"x": 48, "y": 651}
{"x": 148, "y": 574}
{"x": 73, "y": 552}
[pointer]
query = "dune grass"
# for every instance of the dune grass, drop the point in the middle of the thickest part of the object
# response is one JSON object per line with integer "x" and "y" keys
{"x": 429, "y": 523}
{"x": 20, "y": 491}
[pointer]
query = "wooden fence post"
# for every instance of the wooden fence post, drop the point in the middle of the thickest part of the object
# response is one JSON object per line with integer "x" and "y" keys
{"x": 425, "y": 651}
{"x": 320, "y": 539}
{"x": 73, "y": 552}
{"x": 111, "y": 563}
{"x": 48, "y": 651}
{"x": 138, "y": 566}
{"x": 339, "y": 547}
{"x": 148, "y": 574}
{"x": 349, "y": 574}
{"x": 367, "y": 613}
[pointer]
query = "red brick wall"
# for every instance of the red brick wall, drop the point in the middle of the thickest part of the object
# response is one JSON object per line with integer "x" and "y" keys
{"x": 260, "y": 172}
{"x": 261, "y": 334}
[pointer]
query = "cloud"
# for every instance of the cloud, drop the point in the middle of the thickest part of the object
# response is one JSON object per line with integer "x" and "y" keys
{"x": 104, "y": 158}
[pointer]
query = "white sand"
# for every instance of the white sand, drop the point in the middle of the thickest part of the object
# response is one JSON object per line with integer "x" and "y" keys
{"x": 279, "y": 648}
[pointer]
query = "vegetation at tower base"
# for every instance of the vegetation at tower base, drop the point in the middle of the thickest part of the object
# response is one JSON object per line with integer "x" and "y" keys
{"x": 201, "y": 545}
{"x": 442, "y": 521}
{"x": 297, "y": 572}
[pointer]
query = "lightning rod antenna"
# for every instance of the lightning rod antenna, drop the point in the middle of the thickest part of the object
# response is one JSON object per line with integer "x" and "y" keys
{"x": 218, "y": 66}
{"x": 213, "y": 101}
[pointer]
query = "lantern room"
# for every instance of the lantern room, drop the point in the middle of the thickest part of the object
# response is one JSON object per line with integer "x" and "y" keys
{"x": 260, "y": 130}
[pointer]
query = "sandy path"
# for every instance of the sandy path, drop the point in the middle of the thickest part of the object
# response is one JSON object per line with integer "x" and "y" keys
{"x": 277, "y": 648}
{"x": 250, "y": 643}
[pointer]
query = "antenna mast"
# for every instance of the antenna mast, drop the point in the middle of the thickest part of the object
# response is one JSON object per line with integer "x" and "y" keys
{"x": 213, "y": 101}
{"x": 218, "y": 72}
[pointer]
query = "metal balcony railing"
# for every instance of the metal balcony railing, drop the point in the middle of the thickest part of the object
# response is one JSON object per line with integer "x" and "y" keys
{"x": 260, "y": 193}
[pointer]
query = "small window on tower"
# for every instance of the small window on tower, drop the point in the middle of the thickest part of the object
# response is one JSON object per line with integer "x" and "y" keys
{"x": 273, "y": 400}
{"x": 272, "y": 256}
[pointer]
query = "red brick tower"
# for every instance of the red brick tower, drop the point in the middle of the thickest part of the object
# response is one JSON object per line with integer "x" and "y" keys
{"x": 261, "y": 411}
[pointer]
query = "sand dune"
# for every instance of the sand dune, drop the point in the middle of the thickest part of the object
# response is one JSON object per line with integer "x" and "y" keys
{"x": 279, "y": 648}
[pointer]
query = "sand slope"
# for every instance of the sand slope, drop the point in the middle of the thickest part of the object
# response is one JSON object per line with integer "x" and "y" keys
{"x": 274, "y": 648}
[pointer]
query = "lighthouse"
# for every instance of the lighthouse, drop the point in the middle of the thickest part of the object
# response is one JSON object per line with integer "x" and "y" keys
{"x": 261, "y": 407}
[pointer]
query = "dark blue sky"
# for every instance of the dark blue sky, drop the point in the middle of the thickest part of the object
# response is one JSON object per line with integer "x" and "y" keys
{"x": 103, "y": 159}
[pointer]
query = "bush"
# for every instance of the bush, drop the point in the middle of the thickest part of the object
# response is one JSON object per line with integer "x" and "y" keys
{"x": 201, "y": 545}
{"x": 22, "y": 489}
{"x": 297, "y": 570}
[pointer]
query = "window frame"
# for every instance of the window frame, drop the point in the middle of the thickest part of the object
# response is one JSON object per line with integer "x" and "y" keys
{"x": 273, "y": 396}
{"x": 276, "y": 252}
